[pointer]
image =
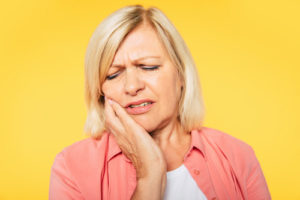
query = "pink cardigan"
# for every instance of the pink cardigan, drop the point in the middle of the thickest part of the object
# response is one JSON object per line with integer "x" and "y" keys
{"x": 222, "y": 166}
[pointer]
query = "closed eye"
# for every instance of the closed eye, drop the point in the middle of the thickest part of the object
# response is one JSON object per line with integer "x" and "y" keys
{"x": 147, "y": 67}
{"x": 112, "y": 76}
{"x": 142, "y": 66}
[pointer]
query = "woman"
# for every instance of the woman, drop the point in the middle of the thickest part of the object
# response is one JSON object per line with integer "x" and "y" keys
{"x": 145, "y": 114}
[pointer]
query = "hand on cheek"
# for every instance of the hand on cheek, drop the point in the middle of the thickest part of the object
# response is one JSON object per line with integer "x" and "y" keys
{"x": 133, "y": 140}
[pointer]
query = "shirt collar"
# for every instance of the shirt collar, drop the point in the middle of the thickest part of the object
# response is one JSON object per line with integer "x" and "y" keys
{"x": 197, "y": 141}
{"x": 114, "y": 149}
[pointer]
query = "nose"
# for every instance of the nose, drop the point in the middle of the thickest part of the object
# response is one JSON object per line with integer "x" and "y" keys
{"x": 133, "y": 82}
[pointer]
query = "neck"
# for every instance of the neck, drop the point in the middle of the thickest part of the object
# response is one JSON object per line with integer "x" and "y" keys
{"x": 171, "y": 134}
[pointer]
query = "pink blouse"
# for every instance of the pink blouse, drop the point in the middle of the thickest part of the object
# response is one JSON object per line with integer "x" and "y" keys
{"x": 222, "y": 166}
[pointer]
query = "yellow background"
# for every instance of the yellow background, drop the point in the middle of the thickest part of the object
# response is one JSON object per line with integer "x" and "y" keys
{"x": 247, "y": 53}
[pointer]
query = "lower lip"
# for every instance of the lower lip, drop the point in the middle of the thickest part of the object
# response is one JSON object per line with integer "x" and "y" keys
{"x": 139, "y": 110}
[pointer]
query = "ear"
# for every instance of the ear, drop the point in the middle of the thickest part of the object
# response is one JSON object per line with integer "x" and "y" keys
{"x": 101, "y": 99}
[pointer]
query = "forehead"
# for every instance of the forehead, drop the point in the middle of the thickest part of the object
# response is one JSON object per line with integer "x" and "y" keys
{"x": 142, "y": 42}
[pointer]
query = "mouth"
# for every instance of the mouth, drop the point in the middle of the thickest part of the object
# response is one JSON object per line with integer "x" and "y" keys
{"x": 139, "y": 107}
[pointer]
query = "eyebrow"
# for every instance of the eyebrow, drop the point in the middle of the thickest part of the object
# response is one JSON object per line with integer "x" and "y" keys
{"x": 136, "y": 60}
{"x": 145, "y": 57}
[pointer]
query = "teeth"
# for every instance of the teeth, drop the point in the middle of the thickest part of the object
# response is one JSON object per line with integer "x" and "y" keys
{"x": 142, "y": 104}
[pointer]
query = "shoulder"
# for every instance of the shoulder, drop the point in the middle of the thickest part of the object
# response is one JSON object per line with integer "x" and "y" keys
{"x": 234, "y": 149}
{"x": 241, "y": 158}
{"x": 84, "y": 146}
{"x": 224, "y": 139}
{"x": 76, "y": 169}
{"x": 82, "y": 154}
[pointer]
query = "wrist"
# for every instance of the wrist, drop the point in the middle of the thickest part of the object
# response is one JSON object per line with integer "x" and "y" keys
{"x": 150, "y": 187}
{"x": 159, "y": 170}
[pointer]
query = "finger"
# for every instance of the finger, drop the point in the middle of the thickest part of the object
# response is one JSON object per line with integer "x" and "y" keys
{"x": 128, "y": 123}
{"x": 121, "y": 113}
{"x": 111, "y": 120}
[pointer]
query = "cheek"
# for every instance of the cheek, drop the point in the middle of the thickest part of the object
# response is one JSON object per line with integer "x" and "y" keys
{"x": 111, "y": 90}
{"x": 171, "y": 84}
{"x": 168, "y": 88}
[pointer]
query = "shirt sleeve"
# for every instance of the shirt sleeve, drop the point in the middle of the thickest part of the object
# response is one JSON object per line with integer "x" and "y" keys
{"x": 257, "y": 188}
{"x": 62, "y": 184}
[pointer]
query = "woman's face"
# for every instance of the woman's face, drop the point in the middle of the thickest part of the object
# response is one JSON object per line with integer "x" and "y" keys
{"x": 144, "y": 80}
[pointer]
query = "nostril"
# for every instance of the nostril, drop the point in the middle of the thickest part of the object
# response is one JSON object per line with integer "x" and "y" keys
{"x": 133, "y": 91}
{"x": 133, "y": 84}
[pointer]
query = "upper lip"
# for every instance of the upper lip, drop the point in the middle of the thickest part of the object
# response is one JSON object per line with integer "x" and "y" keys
{"x": 138, "y": 102}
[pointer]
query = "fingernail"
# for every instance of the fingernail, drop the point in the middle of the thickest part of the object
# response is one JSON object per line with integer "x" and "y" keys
{"x": 110, "y": 101}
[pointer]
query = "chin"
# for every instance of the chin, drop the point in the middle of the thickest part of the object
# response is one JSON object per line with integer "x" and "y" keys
{"x": 147, "y": 123}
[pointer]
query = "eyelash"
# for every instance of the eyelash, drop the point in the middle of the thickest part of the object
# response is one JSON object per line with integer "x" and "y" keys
{"x": 144, "y": 67}
{"x": 112, "y": 76}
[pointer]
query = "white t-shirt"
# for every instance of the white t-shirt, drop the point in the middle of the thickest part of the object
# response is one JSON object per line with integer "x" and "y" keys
{"x": 181, "y": 185}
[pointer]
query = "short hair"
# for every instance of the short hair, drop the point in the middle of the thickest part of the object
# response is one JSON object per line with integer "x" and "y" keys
{"x": 103, "y": 46}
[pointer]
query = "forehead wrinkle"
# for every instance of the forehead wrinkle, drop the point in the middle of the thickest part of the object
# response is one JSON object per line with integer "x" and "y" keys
{"x": 135, "y": 47}
{"x": 135, "y": 58}
{"x": 132, "y": 58}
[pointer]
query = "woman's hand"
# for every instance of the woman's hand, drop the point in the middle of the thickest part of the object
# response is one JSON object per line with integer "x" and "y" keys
{"x": 134, "y": 141}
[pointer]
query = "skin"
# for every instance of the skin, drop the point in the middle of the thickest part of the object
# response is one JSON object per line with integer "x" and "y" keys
{"x": 155, "y": 136}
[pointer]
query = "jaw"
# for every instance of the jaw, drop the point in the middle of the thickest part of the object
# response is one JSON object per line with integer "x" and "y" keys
{"x": 146, "y": 120}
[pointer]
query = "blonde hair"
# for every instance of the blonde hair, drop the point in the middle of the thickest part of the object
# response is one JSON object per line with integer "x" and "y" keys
{"x": 104, "y": 44}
